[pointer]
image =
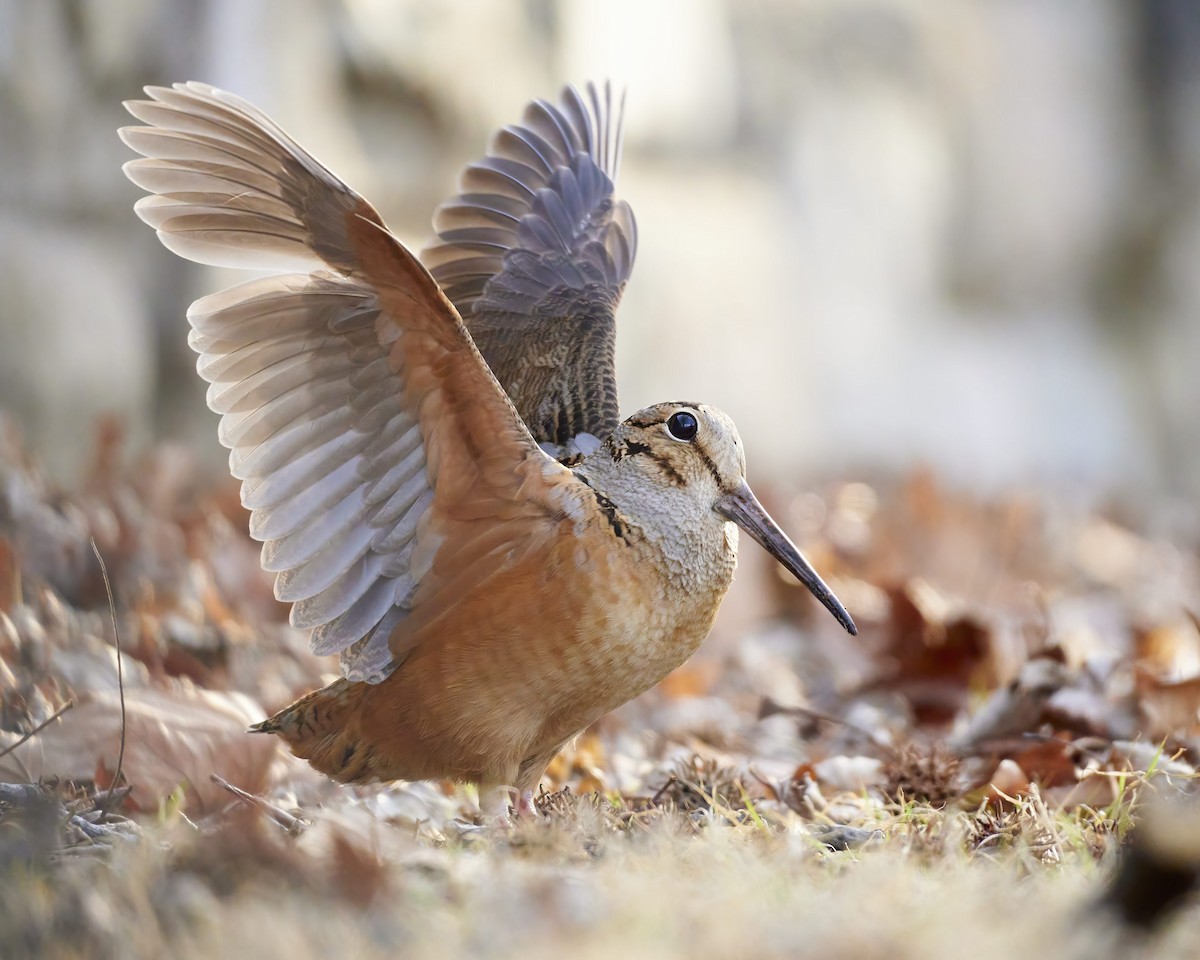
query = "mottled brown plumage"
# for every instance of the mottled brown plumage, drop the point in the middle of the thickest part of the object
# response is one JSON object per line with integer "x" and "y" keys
{"x": 585, "y": 618}
{"x": 487, "y": 603}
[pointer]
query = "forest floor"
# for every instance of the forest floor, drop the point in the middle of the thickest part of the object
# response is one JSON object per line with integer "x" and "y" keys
{"x": 1004, "y": 760}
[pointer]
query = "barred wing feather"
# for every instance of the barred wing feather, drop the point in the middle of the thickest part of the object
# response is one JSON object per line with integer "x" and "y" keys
{"x": 367, "y": 431}
{"x": 535, "y": 252}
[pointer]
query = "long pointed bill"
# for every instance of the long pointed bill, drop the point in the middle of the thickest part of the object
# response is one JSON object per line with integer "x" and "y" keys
{"x": 743, "y": 508}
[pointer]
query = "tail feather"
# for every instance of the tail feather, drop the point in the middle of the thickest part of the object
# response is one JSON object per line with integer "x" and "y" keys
{"x": 323, "y": 728}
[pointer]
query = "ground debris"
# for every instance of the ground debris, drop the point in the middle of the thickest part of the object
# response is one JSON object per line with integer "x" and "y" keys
{"x": 929, "y": 773}
{"x": 1012, "y": 714}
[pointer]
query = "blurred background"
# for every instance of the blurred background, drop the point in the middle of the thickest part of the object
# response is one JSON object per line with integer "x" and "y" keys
{"x": 879, "y": 233}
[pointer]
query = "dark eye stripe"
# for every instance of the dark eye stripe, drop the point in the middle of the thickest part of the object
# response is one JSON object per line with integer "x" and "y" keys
{"x": 708, "y": 462}
{"x": 674, "y": 477}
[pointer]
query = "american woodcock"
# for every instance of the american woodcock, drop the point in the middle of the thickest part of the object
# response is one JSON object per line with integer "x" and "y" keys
{"x": 496, "y": 570}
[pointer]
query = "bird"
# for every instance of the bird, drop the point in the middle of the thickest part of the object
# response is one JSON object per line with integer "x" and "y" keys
{"x": 431, "y": 452}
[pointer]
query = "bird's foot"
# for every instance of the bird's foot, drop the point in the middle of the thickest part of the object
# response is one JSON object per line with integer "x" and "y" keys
{"x": 496, "y": 802}
{"x": 493, "y": 806}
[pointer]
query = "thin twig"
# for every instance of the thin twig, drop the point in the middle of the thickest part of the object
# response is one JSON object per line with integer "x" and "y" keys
{"x": 293, "y": 825}
{"x": 826, "y": 718}
{"x": 39, "y": 728}
{"x": 661, "y": 791}
{"x": 112, "y": 611}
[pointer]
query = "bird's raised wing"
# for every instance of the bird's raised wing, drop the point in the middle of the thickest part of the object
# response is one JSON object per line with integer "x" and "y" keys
{"x": 367, "y": 431}
{"x": 535, "y": 252}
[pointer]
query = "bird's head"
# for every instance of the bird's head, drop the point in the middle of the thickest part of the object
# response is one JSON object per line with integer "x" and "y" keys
{"x": 688, "y": 457}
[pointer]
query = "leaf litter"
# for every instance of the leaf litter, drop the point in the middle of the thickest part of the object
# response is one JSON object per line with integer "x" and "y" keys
{"x": 1024, "y": 693}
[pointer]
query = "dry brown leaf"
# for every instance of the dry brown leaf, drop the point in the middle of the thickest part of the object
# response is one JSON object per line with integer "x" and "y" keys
{"x": 1008, "y": 780}
{"x": 173, "y": 737}
{"x": 1018, "y": 708}
{"x": 1047, "y": 763}
{"x": 1170, "y": 708}
{"x": 936, "y": 654}
{"x": 1168, "y": 649}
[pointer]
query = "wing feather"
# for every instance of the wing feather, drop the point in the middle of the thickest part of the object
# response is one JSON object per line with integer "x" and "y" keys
{"x": 535, "y": 252}
{"x": 367, "y": 430}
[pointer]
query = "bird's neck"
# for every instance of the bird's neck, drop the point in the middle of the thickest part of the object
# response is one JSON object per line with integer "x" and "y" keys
{"x": 679, "y": 533}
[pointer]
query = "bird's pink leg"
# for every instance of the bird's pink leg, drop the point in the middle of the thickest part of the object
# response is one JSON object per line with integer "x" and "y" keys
{"x": 525, "y": 806}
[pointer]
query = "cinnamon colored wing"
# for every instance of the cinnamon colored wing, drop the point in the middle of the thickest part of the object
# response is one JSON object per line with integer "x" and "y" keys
{"x": 535, "y": 252}
{"x": 366, "y": 429}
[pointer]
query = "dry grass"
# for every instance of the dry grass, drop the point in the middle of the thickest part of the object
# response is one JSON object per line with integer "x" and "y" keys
{"x": 933, "y": 883}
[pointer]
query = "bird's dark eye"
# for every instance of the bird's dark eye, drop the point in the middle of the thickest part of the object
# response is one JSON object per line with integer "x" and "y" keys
{"x": 682, "y": 425}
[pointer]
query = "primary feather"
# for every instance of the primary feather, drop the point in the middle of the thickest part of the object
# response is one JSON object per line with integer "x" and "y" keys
{"x": 535, "y": 252}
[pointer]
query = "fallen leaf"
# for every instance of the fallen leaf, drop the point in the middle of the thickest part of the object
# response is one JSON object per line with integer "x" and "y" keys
{"x": 1008, "y": 780}
{"x": 1047, "y": 763}
{"x": 173, "y": 737}
{"x": 936, "y": 652}
{"x": 1169, "y": 708}
{"x": 1017, "y": 708}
